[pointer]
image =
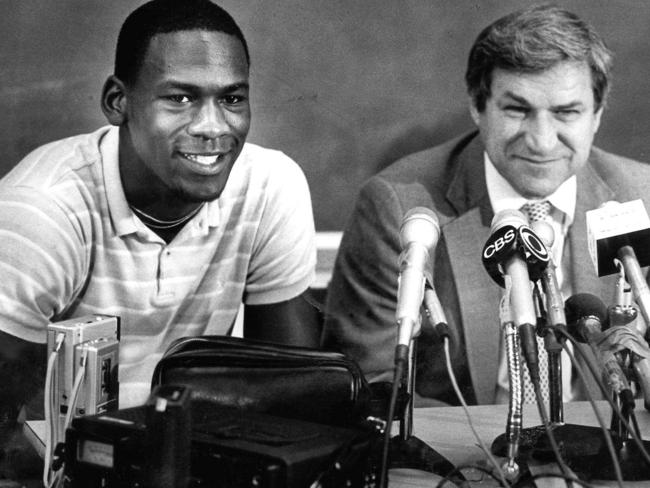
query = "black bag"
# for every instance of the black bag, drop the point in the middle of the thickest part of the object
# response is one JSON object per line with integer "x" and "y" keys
{"x": 286, "y": 381}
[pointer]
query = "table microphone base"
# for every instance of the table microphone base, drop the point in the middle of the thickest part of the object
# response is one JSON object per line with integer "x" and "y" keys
{"x": 583, "y": 449}
{"x": 599, "y": 467}
{"x": 413, "y": 453}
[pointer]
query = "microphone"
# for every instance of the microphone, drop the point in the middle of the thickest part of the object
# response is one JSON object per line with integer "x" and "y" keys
{"x": 419, "y": 234}
{"x": 586, "y": 318}
{"x": 626, "y": 341}
{"x": 554, "y": 302}
{"x": 621, "y": 232}
{"x": 641, "y": 366}
{"x": 555, "y": 317}
{"x": 622, "y": 311}
{"x": 435, "y": 312}
{"x": 513, "y": 250}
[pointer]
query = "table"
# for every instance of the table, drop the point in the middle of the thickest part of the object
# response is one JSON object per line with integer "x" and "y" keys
{"x": 446, "y": 429}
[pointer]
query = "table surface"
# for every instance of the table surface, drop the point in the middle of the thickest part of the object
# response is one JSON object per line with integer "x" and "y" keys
{"x": 447, "y": 430}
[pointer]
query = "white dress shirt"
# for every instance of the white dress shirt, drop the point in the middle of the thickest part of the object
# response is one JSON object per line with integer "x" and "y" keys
{"x": 502, "y": 197}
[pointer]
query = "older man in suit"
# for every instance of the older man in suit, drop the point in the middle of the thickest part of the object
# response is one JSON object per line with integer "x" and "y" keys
{"x": 537, "y": 81}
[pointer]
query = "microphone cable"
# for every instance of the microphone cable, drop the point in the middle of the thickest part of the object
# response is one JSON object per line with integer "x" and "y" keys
{"x": 56, "y": 479}
{"x": 593, "y": 369}
{"x": 607, "y": 434}
{"x": 461, "y": 399}
{"x": 397, "y": 380}
{"x": 51, "y": 424}
{"x": 578, "y": 481}
{"x": 543, "y": 415}
{"x": 458, "y": 469}
{"x": 549, "y": 431}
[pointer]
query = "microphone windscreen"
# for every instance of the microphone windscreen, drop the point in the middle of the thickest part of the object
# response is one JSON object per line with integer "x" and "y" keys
{"x": 544, "y": 231}
{"x": 582, "y": 305}
{"x": 420, "y": 224}
{"x": 508, "y": 217}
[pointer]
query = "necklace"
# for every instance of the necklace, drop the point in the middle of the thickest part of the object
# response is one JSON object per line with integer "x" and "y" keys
{"x": 155, "y": 223}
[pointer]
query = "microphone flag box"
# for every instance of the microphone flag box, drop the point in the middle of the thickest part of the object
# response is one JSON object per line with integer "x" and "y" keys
{"x": 613, "y": 226}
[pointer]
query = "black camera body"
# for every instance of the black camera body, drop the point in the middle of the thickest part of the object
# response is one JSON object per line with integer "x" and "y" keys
{"x": 239, "y": 448}
{"x": 140, "y": 447}
{"x": 171, "y": 442}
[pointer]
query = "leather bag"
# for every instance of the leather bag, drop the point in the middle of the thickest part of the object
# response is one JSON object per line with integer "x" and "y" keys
{"x": 287, "y": 381}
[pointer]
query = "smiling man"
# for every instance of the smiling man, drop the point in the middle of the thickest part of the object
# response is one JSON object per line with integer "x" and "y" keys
{"x": 167, "y": 218}
{"x": 537, "y": 81}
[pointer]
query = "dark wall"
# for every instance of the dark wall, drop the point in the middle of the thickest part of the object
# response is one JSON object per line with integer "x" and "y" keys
{"x": 344, "y": 87}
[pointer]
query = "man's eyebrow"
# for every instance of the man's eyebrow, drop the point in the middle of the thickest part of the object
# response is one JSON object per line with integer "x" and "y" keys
{"x": 236, "y": 86}
{"x": 516, "y": 98}
{"x": 569, "y": 105}
{"x": 180, "y": 85}
{"x": 564, "y": 106}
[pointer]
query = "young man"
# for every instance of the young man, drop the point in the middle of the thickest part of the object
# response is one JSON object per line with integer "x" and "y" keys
{"x": 538, "y": 81}
{"x": 168, "y": 219}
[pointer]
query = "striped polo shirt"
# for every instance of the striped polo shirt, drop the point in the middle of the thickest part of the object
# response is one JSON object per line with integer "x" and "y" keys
{"x": 70, "y": 246}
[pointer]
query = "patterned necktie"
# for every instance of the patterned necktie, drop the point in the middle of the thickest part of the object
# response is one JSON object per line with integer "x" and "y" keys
{"x": 537, "y": 211}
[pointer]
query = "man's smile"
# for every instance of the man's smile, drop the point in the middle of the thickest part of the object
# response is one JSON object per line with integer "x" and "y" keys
{"x": 204, "y": 159}
{"x": 205, "y": 163}
{"x": 539, "y": 161}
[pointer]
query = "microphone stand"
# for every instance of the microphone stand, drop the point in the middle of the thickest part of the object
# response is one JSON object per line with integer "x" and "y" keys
{"x": 418, "y": 236}
{"x": 632, "y": 272}
{"x": 408, "y": 451}
{"x": 575, "y": 441}
{"x": 633, "y": 465}
{"x": 583, "y": 448}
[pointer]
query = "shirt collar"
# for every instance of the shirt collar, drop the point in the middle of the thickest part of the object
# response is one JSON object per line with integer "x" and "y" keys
{"x": 503, "y": 196}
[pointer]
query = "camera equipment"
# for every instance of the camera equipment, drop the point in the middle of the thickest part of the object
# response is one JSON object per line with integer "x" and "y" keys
{"x": 85, "y": 353}
{"x": 146, "y": 447}
{"x": 229, "y": 448}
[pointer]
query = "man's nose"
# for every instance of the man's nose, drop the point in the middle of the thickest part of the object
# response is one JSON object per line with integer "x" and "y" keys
{"x": 208, "y": 122}
{"x": 541, "y": 134}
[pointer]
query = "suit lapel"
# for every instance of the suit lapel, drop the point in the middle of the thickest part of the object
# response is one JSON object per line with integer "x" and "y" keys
{"x": 478, "y": 298}
{"x": 478, "y": 295}
{"x": 591, "y": 193}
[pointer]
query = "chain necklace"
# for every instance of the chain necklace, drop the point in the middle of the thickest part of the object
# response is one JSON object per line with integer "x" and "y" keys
{"x": 155, "y": 223}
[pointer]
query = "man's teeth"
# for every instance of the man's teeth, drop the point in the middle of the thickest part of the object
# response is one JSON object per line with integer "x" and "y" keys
{"x": 201, "y": 159}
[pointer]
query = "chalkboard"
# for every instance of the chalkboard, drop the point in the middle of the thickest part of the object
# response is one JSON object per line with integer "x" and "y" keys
{"x": 342, "y": 86}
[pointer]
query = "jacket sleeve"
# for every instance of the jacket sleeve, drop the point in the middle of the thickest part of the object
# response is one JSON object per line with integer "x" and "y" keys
{"x": 362, "y": 295}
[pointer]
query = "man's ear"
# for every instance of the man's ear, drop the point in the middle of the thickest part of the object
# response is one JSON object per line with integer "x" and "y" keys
{"x": 114, "y": 101}
{"x": 473, "y": 111}
{"x": 597, "y": 116}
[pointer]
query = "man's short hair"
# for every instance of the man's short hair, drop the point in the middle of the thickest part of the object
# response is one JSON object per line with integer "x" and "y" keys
{"x": 533, "y": 40}
{"x": 162, "y": 17}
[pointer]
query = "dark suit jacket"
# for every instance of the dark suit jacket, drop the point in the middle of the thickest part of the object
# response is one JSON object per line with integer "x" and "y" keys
{"x": 450, "y": 179}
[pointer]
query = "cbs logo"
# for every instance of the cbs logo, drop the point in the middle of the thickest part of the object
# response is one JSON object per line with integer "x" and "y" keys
{"x": 498, "y": 242}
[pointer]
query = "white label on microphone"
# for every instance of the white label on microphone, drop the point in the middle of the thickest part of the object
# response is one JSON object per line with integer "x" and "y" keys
{"x": 613, "y": 219}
